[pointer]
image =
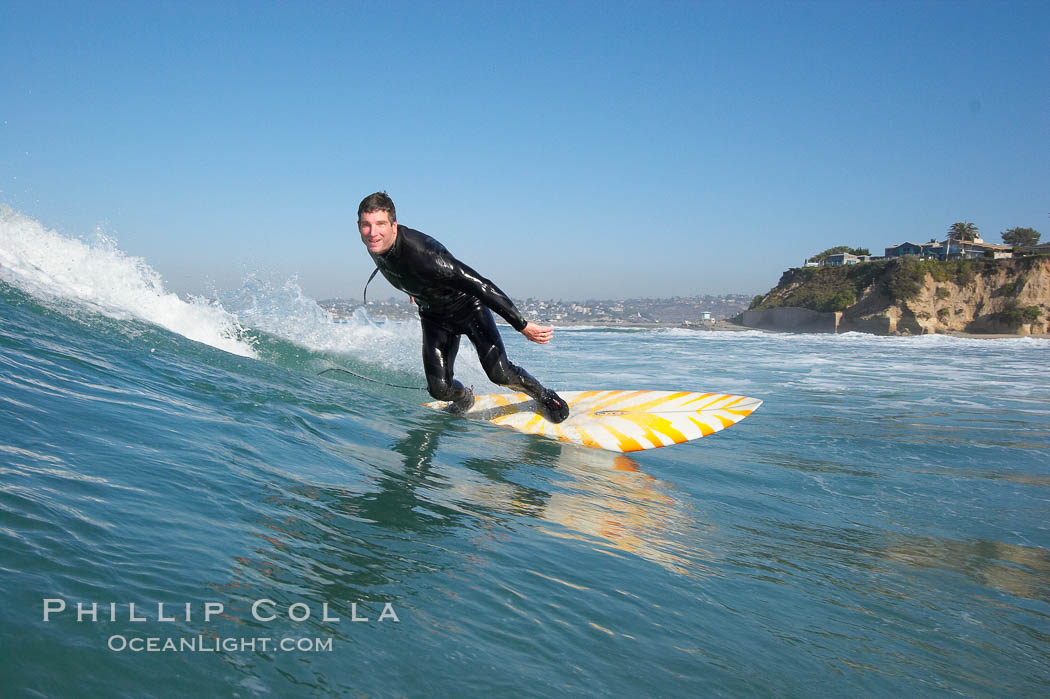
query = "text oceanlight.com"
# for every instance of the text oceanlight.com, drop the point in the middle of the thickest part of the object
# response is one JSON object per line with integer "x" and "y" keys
{"x": 261, "y": 610}
{"x": 201, "y": 644}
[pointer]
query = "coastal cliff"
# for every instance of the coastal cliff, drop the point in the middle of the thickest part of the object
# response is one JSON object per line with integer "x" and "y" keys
{"x": 908, "y": 296}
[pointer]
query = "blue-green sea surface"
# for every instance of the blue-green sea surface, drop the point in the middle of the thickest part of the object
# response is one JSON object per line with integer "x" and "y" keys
{"x": 878, "y": 527}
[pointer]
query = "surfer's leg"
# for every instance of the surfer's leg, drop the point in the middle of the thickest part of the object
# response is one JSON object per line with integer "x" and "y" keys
{"x": 485, "y": 336}
{"x": 440, "y": 346}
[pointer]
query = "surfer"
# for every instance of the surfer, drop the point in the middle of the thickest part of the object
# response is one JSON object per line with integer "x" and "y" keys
{"x": 453, "y": 300}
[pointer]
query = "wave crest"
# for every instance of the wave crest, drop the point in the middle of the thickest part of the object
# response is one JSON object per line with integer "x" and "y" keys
{"x": 98, "y": 274}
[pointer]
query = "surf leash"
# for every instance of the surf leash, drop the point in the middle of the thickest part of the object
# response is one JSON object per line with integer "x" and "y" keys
{"x": 364, "y": 294}
{"x": 364, "y": 302}
{"x": 366, "y": 378}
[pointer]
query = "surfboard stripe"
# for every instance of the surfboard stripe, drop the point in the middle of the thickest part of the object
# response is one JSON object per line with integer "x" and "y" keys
{"x": 533, "y": 423}
{"x": 582, "y": 396}
{"x": 663, "y": 400}
{"x": 587, "y": 440}
{"x": 623, "y": 395}
{"x": 655, "y": 423}
{"x": 701, "y": 396}
{"x": 726, "y": 422}
{"x": 704, "y": 428}
{"x": 642, "y": 432}
{"x": 732, "y": 403}
{"x": 626, "y": 443}
{"x": 711, "y": 403}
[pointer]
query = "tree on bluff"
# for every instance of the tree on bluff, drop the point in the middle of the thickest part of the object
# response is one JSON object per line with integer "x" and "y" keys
{"x": 963, "y": 232}
{"x": 1021, "y": 237}
{"x": 821, "y": 256}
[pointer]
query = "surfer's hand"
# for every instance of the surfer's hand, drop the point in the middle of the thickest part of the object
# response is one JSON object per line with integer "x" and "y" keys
{"x": 538, "y": 333}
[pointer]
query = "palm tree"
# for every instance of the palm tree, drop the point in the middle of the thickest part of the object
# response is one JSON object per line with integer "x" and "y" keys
{"x": 962, "y": 231}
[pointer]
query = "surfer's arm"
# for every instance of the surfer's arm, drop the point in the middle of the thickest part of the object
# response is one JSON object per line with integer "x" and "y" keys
{"x": 465, "y": 279}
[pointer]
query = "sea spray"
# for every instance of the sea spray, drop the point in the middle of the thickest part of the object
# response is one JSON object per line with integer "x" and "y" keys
{"x": 283, "y": 309}
{"x": 56, "y": 268}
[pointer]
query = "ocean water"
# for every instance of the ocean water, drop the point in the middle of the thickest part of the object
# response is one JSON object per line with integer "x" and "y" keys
{"x": 879, "y": 526}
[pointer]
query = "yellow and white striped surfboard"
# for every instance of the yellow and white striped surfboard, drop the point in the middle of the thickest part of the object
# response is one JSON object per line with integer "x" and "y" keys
{"x": 622, "y": 421}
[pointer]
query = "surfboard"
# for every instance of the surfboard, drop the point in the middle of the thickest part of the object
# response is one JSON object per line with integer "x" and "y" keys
{"x": 621, "y": 421}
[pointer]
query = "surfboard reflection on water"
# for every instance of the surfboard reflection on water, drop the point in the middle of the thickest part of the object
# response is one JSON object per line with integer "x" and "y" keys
{"x": 598, "y": 494}
{"x": 626, "y": 509}
{"x": 327, "y": 534}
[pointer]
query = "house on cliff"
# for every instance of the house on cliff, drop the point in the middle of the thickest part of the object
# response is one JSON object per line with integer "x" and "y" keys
{"x": 951, "y": 249}
{"x": 845, "y": 258}
{"x": 909, "y": 248}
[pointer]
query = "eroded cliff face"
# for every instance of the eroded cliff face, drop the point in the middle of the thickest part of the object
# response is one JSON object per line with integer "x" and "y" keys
{"x": 992, "y": 299}
{"x": 912, "y": 297}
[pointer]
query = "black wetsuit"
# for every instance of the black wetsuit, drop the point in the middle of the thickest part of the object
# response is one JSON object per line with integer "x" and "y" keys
{"x": 454, "y": 300}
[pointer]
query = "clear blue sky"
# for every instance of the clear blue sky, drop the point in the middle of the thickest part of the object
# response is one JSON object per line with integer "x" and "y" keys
{"x": 566, "y": 149}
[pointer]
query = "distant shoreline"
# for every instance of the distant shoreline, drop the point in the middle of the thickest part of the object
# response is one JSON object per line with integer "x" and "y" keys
{"x": 717, "y": 326}
{"x": 988, "y": 336}
{"x": 726, "y": 326}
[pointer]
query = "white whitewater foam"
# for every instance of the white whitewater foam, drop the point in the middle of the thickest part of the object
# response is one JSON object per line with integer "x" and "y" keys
{"x": 50, "y": 265}
{"x": 284, "y": 310}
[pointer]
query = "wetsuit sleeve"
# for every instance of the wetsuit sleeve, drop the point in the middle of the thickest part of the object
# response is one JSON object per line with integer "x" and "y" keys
{"x": 465, "y": 279}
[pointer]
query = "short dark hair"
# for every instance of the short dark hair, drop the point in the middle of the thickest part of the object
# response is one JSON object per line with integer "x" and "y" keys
{"x": 380, "y": 201}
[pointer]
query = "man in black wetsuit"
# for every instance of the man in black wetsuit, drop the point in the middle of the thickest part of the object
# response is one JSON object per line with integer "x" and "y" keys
{"x": 453, "y": 300}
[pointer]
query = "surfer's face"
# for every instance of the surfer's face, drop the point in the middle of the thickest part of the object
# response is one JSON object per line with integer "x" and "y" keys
{"x": 377, "y": 231}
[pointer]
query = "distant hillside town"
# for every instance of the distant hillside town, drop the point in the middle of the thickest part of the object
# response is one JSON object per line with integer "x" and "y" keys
{"x": 677, "y": 311}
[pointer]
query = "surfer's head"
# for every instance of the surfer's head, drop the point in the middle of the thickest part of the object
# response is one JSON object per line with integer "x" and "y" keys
{"x": 377, "y": 222}
{"x": 380, "y": 201}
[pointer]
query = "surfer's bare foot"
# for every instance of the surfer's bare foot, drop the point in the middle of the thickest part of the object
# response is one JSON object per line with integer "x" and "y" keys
{"x": 555, "y": 408}
{"x": 464, "y": 403}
